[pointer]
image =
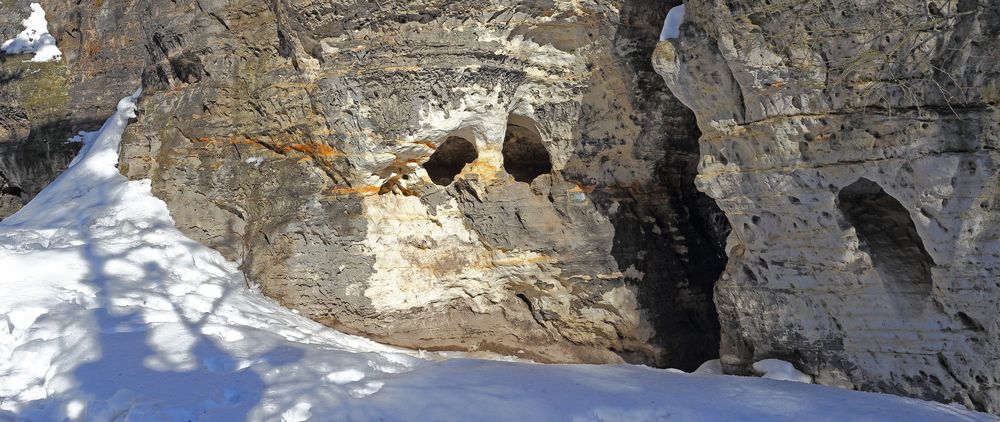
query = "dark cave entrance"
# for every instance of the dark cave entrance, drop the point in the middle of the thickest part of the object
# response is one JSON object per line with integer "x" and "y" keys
{"x": 11, "y": 190}
{"x": 887, "y": 234}
{"x": 449, "y": 159}
{"x": 6, "y": 187}
{"x": 669, "y": 237}
{"x": 524, "y": 154}
{"x": 676, "y": 239}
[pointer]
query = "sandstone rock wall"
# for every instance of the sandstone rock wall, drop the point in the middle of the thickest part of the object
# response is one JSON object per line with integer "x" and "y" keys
{"x": 853, "y": 147}
{"x": 501, "y": 176}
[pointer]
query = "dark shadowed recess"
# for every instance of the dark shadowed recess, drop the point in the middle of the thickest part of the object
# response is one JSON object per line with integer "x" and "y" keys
{"x": 28, "y": 165}
{"x": 449, "y": 159}
{"x": 670, "y": 232}
{"x": 887, "y": 234}
{"x": 524, "y": 154}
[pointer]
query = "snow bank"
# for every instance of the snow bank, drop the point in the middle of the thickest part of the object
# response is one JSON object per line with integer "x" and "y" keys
{"x": 34, "y": 39}
{"x": 672, "y": 24}
{"x": 776, "y": 369}
{"x": 107, "y": 312}
{"x": 712, "y": 367}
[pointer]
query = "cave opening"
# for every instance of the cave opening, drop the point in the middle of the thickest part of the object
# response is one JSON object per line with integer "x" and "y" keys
{"x": 887, "y": 234}
{"x": 524, "y": 155}
{"x": 11, "y": 190}
{"x": 669, "y": 237}
{"x": 449, "y": 159}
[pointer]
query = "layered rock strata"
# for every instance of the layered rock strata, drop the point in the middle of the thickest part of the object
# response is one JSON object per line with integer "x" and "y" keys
{"x": 853, "y": 147}
{"x": 502, "y": 176}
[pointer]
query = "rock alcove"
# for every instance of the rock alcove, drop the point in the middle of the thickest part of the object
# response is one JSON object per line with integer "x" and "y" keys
{"x": 524, "y": 154}
{"x": 11, "y": 190}
{"x": 449, "y": 159}
{"x": 887, "y": 234}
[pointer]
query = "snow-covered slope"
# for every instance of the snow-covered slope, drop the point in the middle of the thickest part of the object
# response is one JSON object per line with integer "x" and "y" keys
{"x": 109, "y": 313}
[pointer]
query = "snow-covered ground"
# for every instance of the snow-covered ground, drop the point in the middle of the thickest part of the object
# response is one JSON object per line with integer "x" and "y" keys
{"x": 108, "y": 313}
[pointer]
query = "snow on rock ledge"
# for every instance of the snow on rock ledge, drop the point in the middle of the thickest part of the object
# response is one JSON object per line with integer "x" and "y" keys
{"x": 34, "y": 39}
{"x": 777, "y": 369}
{"x": 711, "y": 367}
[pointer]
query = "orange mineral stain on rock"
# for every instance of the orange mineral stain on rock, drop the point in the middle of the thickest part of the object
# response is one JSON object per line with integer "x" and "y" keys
{"x": 486, "y": 171}
{"x": 313, "y": 149}
{"x": 425, "y": 143}
{"x": 361, "y": 190}
{"x": 310, "y": 148}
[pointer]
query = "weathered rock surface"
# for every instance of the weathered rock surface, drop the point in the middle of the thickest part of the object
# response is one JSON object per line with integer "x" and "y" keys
{"x": 853, "y": 147}
{"x": 503, "y": 176}
{"x": 44, "y": 104}
{"x": 33, "y": 147}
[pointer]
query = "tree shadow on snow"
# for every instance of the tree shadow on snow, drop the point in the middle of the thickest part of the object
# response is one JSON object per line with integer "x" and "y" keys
{"x": 155, "y": 358}
{"x": 124, "y": 371}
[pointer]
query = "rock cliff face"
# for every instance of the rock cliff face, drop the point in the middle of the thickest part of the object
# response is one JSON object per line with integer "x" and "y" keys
{"x": 44, "y": 104}
{"x": 33, "y": 135}
{"x": 502, "y": 176}
{"x": 853, "y": 147}
{"x": 513, "y": 176}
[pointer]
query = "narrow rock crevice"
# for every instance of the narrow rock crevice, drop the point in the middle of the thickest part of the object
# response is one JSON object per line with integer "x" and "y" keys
{"x": 669, "y": 237}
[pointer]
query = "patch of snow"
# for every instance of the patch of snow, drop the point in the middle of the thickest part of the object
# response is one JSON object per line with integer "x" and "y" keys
{"x": 366, "y": 390}
{"x": 298, "y": 413}
{"x": 712, "y": 367}
{"x": 672, "y": 24}
{"x": 254, "y": 161}
{"x": 110, "y": 313}
{"x": 777, "y": 369}
{"x": 34, "y": 39}
{"x": 346, "y": 376}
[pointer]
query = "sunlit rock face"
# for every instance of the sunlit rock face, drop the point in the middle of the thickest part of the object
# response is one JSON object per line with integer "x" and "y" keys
{"x": 852, "y": 145}
{"x": 44, "y": 104}
{"x": 501, "y": 176}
